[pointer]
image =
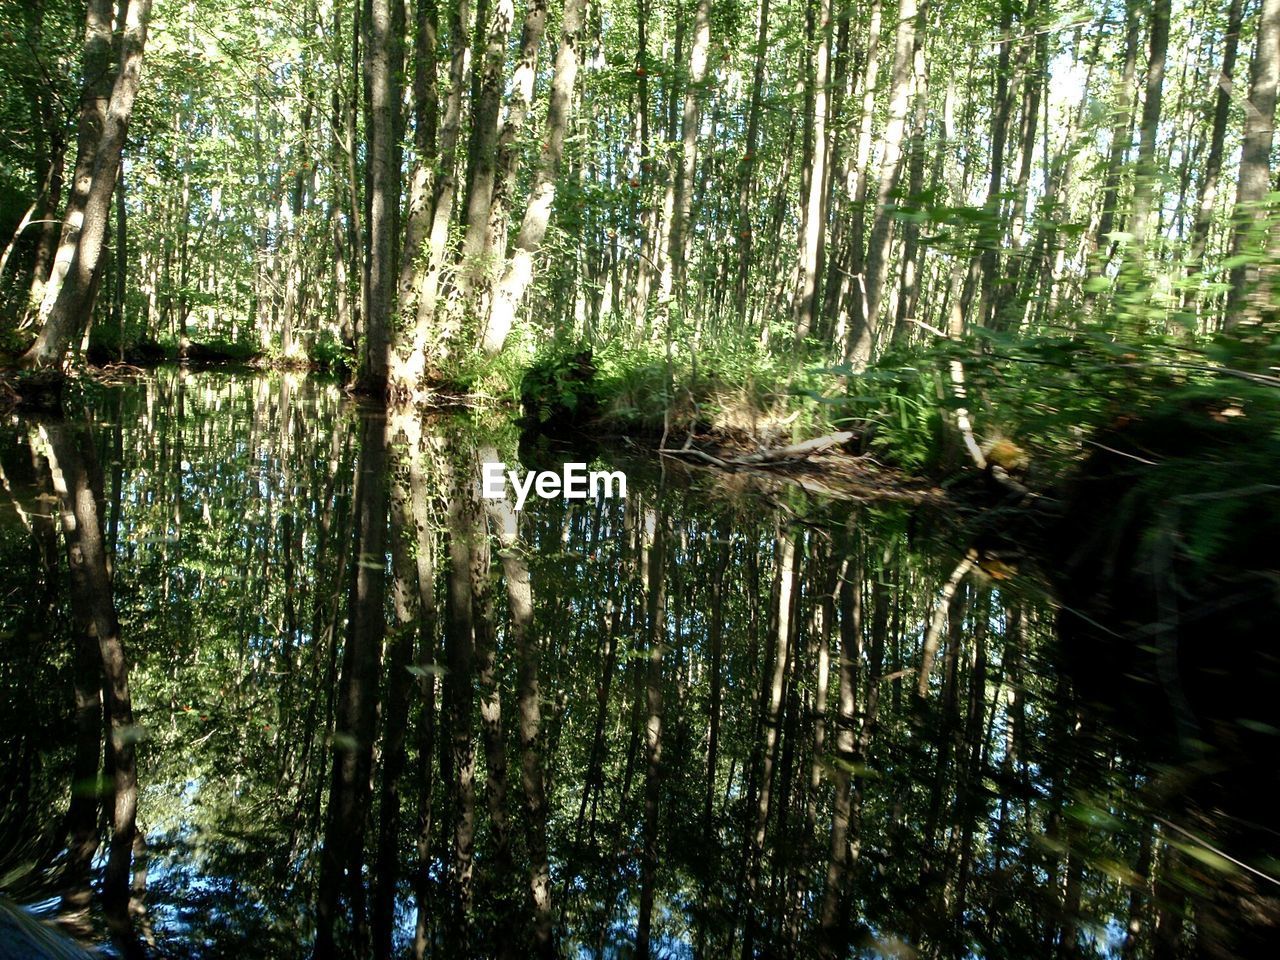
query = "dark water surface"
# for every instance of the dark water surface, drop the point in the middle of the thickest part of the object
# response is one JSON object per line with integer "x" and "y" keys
{"x": 374, "y": 715}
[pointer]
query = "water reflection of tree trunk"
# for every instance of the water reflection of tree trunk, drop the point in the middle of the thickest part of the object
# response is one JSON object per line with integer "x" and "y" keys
{"x": 495, "y": 754}
{"x": 405, "y": 600}
{"x": 970, "y": 791}
{"x": 82, "y": 812}
{"x": 939, "y": 620}
{"x": 343, "y": 853}
{"x": 462, "y": 523}
{"x": 520, "y": 603}
{"x": 831, "y": 926}
{"x": 715, "y": 637}
{"x": 655, "y": 521}
{"x": 593, "y": 786}
{"x": 932, "y": 870}
{"x": 335, "y": 529}
{"x": 824, "y": 582}
{"x": 78, "y": 485}
{"x": 767, "y": 743}
{"x": 425, "y": 558}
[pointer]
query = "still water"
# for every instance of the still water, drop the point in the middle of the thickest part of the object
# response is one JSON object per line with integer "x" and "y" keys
{"x": 275, "y": 682}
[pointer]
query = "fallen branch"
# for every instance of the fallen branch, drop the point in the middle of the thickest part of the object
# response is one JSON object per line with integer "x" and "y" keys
{"x": 798, "y": 449}
{"x": 697, "y": 455}
{"x": 764, "y": 457}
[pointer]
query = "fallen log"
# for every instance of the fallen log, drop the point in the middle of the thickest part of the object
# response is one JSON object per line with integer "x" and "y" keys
{"x": 804, "y": 449}
{"x": 764, "y": 457}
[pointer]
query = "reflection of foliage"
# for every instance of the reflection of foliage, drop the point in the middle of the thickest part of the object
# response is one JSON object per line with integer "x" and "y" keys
{"x": 991, "y": 816}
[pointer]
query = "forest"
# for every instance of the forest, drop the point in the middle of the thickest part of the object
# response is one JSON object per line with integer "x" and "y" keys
{"x": 939, "y": 341}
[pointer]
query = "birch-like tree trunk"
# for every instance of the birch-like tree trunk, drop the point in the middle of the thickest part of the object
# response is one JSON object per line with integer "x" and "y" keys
{"x": 863, "y": 337}
{"x": 1208, "y": 191}
{"x": 1144, "y": 184}
{"x": 484, "y": 147}
{"x": 811, "y": 245}
{"x": 1252, "y": 222}
{"x": 383, "y": 66}
{"x": 408, "y": 339}
{"x": 69, "y": 296}
{"x": 673, "y": 274}
{"x": 518, "y": 274}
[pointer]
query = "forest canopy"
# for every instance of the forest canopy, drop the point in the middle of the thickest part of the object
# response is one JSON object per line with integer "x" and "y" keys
{"x": 709, "y": 195}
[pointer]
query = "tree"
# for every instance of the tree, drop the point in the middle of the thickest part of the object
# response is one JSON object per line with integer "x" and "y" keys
{"x": 72, "y": 289}
{"x": 1251, "y": 221}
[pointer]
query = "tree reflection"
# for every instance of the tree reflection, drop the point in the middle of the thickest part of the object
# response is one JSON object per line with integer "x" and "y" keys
{"x": 739, "y": 729}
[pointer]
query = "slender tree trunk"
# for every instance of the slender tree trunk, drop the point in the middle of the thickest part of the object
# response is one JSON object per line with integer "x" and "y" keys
{"x": 383, "y": 67}
{"x": 519, "y": 105}
{"x": 409, "y": 337}
{"x": 484, "y": 147}
{"x": 856, "y": 179}
{"x": 1120, "y": 129}
{"x": 342, "y": 857}
{"x": 690, "y": 122}
{"x": 864, "y": 335}
{"x": 69, "y": 296}
{"x": 1252, "y": 223}
{"x": 985, "y": 265}
{"x": 909, "y": 295}
{"x": 811, "y": 245}
{"x": 1207, "y": 195}
{"x": 746, "y": 173}
{"x": 1145, "y": 182}
{"x": 518, "y": 274}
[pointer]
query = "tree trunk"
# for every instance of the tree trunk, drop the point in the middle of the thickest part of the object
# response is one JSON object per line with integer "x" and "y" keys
{"x": 690, "y": 122}
{"x": 519, "y": 105}
{"x": 748, "y": 162}
{"x": 811, "y": 243}
{"x": 1252, "y": 222}
{"x": 1144, "y": 184}
{"x": 383, "y": 67}
{"x": 518, "y": 275}
{"x": 863, "y": 336}
{"x": 482, "y": 162}
{"x": 408, "y": 339}
{"x": 69, "y": 296}
{"x": 1120, "y": 128}
{"x": 1207, "y": 198}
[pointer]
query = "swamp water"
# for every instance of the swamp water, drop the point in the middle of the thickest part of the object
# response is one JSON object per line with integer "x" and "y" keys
{"x": 373, "y": 714}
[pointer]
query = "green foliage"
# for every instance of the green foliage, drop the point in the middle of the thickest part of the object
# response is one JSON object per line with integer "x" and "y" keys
{"x": 897, "y": 406}
{"x": 330, "y": 353}
{"x": 560, "y": 387}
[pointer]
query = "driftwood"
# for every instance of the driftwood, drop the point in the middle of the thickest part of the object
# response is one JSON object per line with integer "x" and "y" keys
{"x": 763, "y": 457}
{"x": 804, "y": 449}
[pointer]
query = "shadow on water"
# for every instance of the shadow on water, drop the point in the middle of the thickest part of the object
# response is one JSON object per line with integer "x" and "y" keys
{"x": 377, "y": 716}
